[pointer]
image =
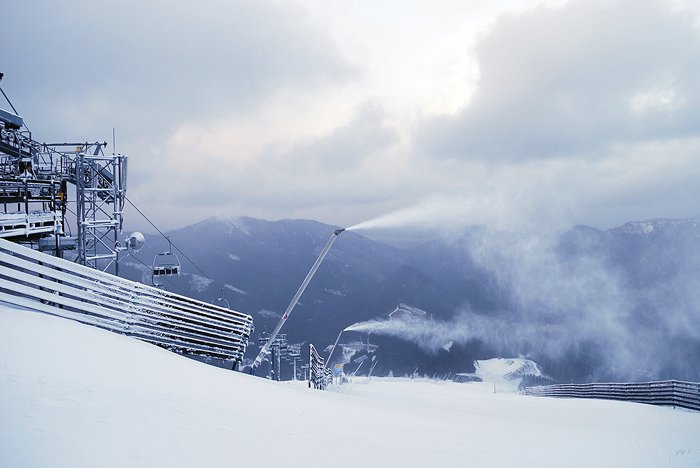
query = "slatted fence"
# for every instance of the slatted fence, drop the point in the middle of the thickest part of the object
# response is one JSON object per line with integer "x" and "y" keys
{"x": 665, "y": 393}
{"x": 40, "y": 282}
{"x": 320, "y": 376}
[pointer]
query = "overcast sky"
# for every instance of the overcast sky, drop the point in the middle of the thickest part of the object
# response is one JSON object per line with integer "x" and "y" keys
{"x": 521, "y": 114}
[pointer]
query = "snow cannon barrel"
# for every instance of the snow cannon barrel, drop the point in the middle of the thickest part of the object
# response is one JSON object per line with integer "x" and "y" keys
{"x": 264, "y": 350}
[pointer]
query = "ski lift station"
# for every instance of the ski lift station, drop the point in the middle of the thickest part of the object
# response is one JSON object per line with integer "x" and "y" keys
{"x": 62, "y": 240}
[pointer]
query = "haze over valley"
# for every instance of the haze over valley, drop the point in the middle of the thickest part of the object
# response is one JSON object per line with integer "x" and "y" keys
{"x": 587, "y": 305}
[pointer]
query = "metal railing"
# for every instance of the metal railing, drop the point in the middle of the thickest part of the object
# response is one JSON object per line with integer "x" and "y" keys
{"x": 40, "y": 282}
{"x": 320, "y": 376}
{"x": 665, "y": 393}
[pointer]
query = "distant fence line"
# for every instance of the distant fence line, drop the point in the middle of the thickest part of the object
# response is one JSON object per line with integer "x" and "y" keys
{"x": 40, "y": 282}
{"x": 664, "y": 393}
{"x": 319, "y": 375}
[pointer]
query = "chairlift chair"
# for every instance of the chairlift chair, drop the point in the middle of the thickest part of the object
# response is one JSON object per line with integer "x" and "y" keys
{"x": 221, "y": 301}
{"x": 166, "y": 264}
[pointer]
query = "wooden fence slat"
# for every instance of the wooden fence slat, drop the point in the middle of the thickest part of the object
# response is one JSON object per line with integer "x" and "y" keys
{"x": 36, "y": 281}
{"x": 665, "y": 393}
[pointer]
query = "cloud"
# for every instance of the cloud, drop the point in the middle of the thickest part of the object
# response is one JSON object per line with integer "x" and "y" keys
{"x": 367, "y": 135}
{"x": 584, "y": 112}
{"x": 147, "y": 67}
{"x": 575, "y": 79}
{"x": 629, "y": 182}
{"x": 249, "y": 172}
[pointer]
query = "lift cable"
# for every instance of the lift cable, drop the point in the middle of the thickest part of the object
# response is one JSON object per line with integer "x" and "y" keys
{"x": 10, "y": 103}
{"x": 168, "y": 239}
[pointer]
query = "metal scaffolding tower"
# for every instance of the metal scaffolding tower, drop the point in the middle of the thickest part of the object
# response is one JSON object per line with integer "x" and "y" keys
{"x": 34, "y": 195}
{"x": 100, "y": 186}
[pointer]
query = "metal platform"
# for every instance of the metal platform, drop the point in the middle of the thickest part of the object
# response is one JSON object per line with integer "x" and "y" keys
{"x": 27, "y": 225}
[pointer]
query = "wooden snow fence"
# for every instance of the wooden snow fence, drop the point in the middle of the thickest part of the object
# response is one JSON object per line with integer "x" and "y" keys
{"x": 664, "y": 393}
{"x": 320, "y": 376}
{"x": 40, "y": 282}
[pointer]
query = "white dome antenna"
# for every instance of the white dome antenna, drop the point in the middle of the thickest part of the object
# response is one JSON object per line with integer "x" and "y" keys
{"x": 135, "y": 241}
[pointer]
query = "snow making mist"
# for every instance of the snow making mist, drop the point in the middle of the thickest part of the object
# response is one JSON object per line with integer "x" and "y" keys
{"x": 449, "y": 213}
{"x": 577, "y": 299}
{"x": 437, "y": 212}
{"x": 433, "y": 335}
{"x": 429, "y": 335}
{"x": 580, "y": 313}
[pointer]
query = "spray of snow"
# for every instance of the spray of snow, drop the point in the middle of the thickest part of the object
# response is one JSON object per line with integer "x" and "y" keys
{"x": 557, "y": 309}
{"x": 435, "y": 335}
{"x": 446, "y": 212}
{"x": 236, "y": 290}
{"x": 348, "y": 353}
{"x": 199, "y": 283}
{"x": 533, "y": 209}
{"x": 335, "y": 292}
{"x": 233, "y": 224}
{"x": 265, "y": 313}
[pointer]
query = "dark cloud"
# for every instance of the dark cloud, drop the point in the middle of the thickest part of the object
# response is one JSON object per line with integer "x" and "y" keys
{"x": 149, "y": 66}
{"x": 576, "y": 79}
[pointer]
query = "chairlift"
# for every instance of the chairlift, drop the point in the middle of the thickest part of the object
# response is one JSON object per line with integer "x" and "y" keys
{"x": 166, "y": 263}
{"x": 221, "y": 301}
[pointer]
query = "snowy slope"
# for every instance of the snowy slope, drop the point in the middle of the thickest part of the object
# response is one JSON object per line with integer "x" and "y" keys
{"x": 76, "y": 396}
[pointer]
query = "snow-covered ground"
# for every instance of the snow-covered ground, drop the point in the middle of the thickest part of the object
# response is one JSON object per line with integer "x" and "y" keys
{"x": 76, "y": 396}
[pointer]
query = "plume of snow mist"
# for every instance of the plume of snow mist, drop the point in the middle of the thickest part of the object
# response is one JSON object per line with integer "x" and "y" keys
{"x": 348, "y": 354}
{"x": 443, "y": 212}
{"x": 432, "y": 335}
{"x": 428, "y": 334}
{"x": 580, "y": 313}
{"x": 606, "y": 326}
{"x": 498, "y": 209}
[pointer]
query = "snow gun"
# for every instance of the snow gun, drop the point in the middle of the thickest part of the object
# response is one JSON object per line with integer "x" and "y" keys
{"x": 266, "y": 347}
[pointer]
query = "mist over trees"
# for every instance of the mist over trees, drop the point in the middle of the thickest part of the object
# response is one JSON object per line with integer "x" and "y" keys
{"x": 587, "y": 305}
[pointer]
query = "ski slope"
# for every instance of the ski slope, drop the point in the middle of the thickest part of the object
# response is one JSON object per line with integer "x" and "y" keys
{"x": 76, "y": 396}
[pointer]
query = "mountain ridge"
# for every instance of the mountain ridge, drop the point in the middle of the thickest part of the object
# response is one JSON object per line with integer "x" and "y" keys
{"x": 643, "y": 268}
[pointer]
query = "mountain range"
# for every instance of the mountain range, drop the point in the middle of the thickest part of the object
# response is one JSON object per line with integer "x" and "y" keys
{"x": 586, "y": 304}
